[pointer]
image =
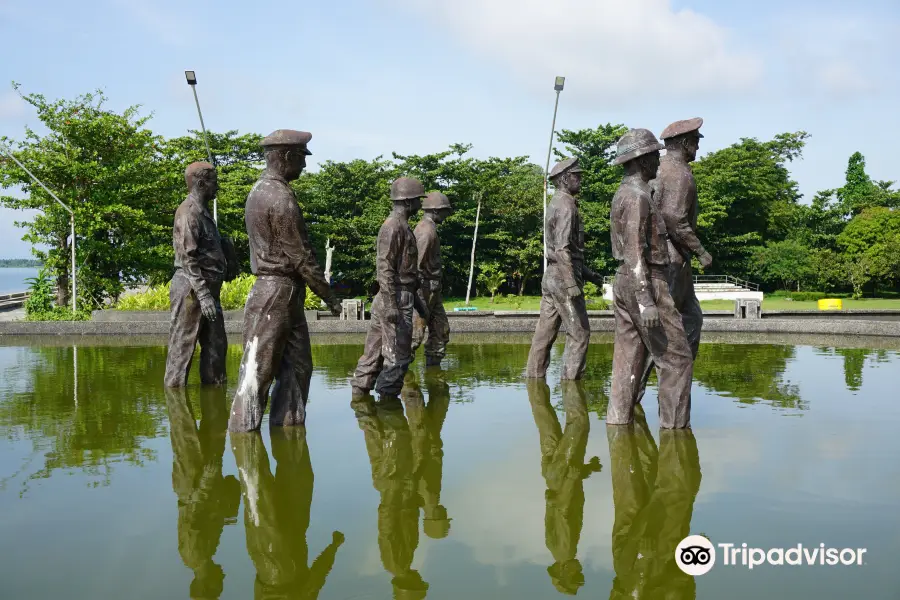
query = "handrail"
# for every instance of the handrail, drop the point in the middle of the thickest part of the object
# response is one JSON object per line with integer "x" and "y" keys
{"x": 749, "y": 285}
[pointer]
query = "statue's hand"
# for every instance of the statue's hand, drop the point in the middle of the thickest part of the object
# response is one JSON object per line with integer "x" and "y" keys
{"x": 705, "y": 259}
{"x": 208, "y": 308}
{"x": 337, "y": 538}
{"x": 650, "y": 317}
{"x": 334, "y": 305}
{"x": 573, "y": 292}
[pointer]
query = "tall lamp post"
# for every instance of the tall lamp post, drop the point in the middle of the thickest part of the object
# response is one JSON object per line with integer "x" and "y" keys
{"x": 558, "y": 86}
{"x": 191, "y": 77}
{"x": 61, "y": 203}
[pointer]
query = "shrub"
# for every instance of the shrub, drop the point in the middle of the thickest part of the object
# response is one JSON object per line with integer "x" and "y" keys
{"x": 593, "y": 297}
{"x": 234, "y": 293}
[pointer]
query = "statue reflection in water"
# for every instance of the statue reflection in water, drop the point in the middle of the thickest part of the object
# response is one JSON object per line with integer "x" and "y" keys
{"x": 406, "y": 456}
{"x": 564, "y": 470}
{"x": 277, "y": 514}
{"x": 206, "y": 500}
{"x": 654, "y": 492}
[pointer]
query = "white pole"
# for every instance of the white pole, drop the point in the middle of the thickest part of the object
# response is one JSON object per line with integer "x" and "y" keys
{"x": 61, "y": 203}
{"x": 546, "y": 173}
{"x": 208, "y": 152}
{"x": 474, "y": 239}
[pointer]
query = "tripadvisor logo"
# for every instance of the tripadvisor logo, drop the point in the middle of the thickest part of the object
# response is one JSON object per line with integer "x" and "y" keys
{"x": 696, "y": 555}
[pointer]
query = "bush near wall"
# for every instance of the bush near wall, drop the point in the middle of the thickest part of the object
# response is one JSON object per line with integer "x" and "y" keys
{"x": 233, "y": 296}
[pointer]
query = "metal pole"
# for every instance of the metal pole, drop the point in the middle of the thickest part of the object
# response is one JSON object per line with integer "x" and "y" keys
{"x": 546, "y": 173}
{"x": 61, "y": 203}
{"x": 208, "y": 152}
{"x": 74, "y": 294}
{"x": 474, "y": 239}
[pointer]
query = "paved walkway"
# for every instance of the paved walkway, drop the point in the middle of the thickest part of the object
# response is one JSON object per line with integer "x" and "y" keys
{"x": 17, "y": 314}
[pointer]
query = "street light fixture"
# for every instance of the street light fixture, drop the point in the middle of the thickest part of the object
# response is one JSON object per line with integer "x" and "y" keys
{"x": 191, "y": 78}
{"x": 558, "y": 85}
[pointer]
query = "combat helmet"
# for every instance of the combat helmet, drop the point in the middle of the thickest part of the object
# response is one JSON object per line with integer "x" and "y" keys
{"x": 635, "y": 143}
{"x": 407, "y": 188}
{"x": 435, "y": 200}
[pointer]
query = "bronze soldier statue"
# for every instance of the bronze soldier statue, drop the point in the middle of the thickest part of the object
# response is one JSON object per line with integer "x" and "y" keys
{"x": 675, "y": 195}
{"x": 562, "y": 298}
{"x": 388, "y": 349}
{"x": 276, "y": 336}
{"x": 564, "y": 470}
{"x": 437, "y": 208}
{"x": 653, "y": 495}
{"x": 647, "y": 321}
{"x": 200, "y": 268}
{"x": 277, "y": 515}
{"x": 207, "y": 501}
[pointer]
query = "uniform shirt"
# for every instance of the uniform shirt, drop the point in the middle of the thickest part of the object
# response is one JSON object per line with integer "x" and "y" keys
{"x": 279, "y": 241}
{"x": 198, "y": 247}
{"x": 429, "y": 248}
{"x": 565, "y": 242}
{"x": 397, "y": 257}
{"x": 638, "y": 235}
{"x": 676, "y": 197}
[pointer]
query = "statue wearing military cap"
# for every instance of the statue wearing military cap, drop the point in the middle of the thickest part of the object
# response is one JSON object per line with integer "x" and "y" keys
{"x": 276, "y": 336}
{"x": 561, "y": 288}
{"x": 388, "y": 349}
{"x": 437, "y": 208}
{"x": 647, "y": 322}
{"x": 675, "y": 196}
{"x": 202, "y": 262}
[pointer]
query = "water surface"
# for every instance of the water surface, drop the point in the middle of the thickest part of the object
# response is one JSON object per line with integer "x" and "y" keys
{"x": 472, "y": 485}
{"x": 12, "y": 280}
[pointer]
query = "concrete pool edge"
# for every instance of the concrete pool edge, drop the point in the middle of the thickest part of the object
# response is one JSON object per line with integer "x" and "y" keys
{"x": 505, "y": 324}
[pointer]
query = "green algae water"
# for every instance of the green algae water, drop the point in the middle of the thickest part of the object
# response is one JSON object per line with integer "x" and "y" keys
{"x": 474, "y": 484}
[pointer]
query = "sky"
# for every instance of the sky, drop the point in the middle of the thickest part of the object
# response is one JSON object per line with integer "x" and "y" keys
{"x": 414, "y": 76}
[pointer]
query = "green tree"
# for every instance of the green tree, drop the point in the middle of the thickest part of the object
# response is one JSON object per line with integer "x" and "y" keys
{"x": 869, "y": 243}
{"x": 108, "y": 168}
{"x": 860, "y": 192}
{"x": 747, "y": 198}
{"x": 787, "y": 262}
{"x": 491, "y": 276}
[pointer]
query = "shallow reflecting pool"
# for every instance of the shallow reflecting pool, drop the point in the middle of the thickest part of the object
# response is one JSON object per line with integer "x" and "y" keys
{"x": 473, "y": 484}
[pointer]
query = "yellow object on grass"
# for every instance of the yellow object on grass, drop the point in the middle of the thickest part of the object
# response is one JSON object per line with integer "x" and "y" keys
{"x": 831, "y": 304}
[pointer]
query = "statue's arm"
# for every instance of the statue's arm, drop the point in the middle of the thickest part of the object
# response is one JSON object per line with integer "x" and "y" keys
{"x": 186, "y": 240}
{"x": 637, "y": 223}
{"x": 681, "y": 195}
{"x": 561, "y": 241}
{"x": 294, "y": 239}
{"x": 386, "y": 263}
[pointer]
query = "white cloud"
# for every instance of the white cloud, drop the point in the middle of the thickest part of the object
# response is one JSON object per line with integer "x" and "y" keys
{"x": 11, "y": 106}
{"x": 611, "y": 52}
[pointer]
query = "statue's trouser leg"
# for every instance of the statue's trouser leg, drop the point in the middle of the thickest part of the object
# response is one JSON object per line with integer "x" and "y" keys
{"x": 666, "y": 344}
{"x": 573, "y": 313}
{"x": 265, "y": 532}
{"x": 396, "y": 348}
{"x": 682, "y": 289}
{"x": 268, "y": 325}
{"x": 291, "y": 390}
{"x": 184, "y": 329}
{"x": 544, "y": 335}
{"x": 370, "y": 363}
{"x": 213, "y": 344}
{"x": 438, "y": 331}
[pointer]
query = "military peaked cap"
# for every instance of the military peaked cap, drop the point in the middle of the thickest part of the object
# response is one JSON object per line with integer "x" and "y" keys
{"x": 682, "y": 127}
{"x": 570, "y": 165}
{"x": 287, "y": 137}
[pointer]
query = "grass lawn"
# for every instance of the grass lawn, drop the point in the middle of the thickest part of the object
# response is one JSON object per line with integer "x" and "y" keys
{"x": 534, "y": 303}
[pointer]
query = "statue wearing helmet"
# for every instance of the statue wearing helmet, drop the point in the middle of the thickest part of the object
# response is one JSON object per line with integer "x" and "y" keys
{"x": 388, "y": 349}
{"x": 647, "y": 322}
{"x": 437, "y": 207}
{"x": 675, "y": 195}
{"x": 561, "y": 288}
